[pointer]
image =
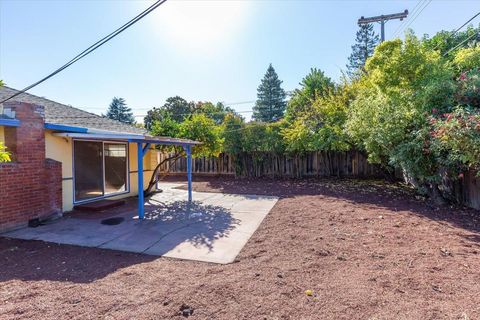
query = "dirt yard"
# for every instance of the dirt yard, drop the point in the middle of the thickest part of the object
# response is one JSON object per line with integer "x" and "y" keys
{"x": 367, "y": 250}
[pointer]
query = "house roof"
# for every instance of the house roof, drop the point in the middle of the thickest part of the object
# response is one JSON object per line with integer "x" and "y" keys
{"x": 130, "y": 138}
{"x": 61, "y": 114}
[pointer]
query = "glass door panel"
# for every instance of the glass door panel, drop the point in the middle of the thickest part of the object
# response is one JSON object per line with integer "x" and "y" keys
{"x": 115, "y": 167}
{"x": 88, "y": 170}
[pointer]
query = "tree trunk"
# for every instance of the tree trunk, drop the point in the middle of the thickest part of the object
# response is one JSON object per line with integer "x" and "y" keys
{"x": 154, "y": 179}
{"x": 436, "y": 195}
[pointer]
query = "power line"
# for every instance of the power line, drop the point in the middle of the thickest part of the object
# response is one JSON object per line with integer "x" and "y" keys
{"x": 414, "y": 17}
{"x": 420, "y": 10}
{"x": 207, "y": 113}
{"x": 144, "y": 115}
{"x": 147, "y": 108}
{"x": 459, "y": 28}
{"x": 463, "y": 25}
{"x": 414, "y": 11}
{"x": 461, "y": 43}
{"x": 241, "y": 102}
{"x": 418, "y": 14}
{"x": 92, "y": 48}
{"x": 382, "y": 20}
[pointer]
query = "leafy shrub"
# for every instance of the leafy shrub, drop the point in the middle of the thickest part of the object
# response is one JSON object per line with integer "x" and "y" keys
{"x": 469, "y": 88}
{"x": 467, "y": 59}
{"x": 456, "y": 139}
{"x": 4, "y": 154}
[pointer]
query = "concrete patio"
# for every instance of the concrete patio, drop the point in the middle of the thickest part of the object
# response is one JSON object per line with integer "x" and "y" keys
{"x": 212, "y": 228}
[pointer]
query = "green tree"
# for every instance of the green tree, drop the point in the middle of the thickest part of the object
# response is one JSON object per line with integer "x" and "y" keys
{"x": 313, "y": 86}
{"x": 404, "y": 81}
{"x": 217, "y": 111}
{"x": 261, "y": 137}
{"x": 233, "y": 133}
{"x": 119, "y": 111}
{"x": 165, "y": 127}
{"x": 175, "y": 108}
{"x": 196, "y": 127}
{"x": 321, "y": 127}
{"x": 365, "y": 42}
{"x": 271, "y": 103}
{"x": 467, "y": 59}
{"x": 201, "y": 128}
{"x": 444, "y": 41}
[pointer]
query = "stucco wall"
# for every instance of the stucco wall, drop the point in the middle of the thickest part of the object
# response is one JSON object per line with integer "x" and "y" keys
{"x": 149, "y": 163}
{"x": 60, "y": 149}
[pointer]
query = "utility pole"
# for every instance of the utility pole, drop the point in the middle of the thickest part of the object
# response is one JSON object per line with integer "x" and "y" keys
{"x": 383, "y": 19}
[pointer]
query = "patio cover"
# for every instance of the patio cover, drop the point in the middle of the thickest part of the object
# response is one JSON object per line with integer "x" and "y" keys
{"x": 143, "y": 143}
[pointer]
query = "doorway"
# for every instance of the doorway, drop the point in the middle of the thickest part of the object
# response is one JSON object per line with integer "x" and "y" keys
{"x": 100, "y": 169}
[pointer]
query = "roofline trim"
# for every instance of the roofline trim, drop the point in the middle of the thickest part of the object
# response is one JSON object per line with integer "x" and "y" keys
{"x": 100, "y": 131}
{"x": 61, "y": 127}
{"x": 97, "y": 136}
{"x": 165, "y": 142}
{"x": 9, "y": 122}
{"x": 128, "y": 138}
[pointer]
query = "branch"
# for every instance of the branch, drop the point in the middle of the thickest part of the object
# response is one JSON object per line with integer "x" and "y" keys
{"x": 154, "y": 179}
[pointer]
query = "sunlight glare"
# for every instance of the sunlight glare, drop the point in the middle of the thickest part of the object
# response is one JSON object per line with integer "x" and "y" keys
{"x": 204, "y": 26}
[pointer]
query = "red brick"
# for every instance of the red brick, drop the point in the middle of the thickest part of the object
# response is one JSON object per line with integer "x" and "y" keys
{"x": 30, "y": 187}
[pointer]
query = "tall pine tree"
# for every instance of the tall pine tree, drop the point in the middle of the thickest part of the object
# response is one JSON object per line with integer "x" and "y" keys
{"x": 365, "y": 44}
{"x": 271, "y": 103}
{"x": 118, "y": 110}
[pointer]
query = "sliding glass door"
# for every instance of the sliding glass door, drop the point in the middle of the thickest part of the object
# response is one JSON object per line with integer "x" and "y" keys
{"x": 115, "y": 168}
{"x": 88, "y": 167}
{"x": 100, "y": 169}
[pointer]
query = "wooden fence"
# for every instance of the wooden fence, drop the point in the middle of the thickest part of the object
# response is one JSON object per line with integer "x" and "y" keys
{"x": 314, "y": 164}
{"x": 464, "y": 191}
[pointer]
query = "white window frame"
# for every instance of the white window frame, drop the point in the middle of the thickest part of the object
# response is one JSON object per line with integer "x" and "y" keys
{"x": 104, "y": 196}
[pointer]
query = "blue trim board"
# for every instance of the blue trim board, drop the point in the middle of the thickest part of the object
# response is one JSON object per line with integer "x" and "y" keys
{"x": 189, "y": 171}
{"x": 170, "y": 143}
{"x": 140, "y": 155}
{"x": 9, "y": 122}
{"x": 61, "y": 127}
{"x": 145, "y": 149}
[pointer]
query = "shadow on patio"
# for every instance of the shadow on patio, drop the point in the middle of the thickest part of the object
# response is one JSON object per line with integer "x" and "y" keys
{"x": 213, "y": 228}
{"x": 195, "y": 223}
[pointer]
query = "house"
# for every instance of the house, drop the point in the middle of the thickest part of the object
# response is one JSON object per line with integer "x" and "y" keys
{"x": 63, "y": 156}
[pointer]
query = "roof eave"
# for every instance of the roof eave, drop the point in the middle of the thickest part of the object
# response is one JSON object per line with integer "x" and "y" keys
{"x": 112, "y": 136}
{"x": 65, "y": 128}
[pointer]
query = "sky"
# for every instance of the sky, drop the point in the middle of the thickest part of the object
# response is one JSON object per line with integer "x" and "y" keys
{"x": 199, "y": 50}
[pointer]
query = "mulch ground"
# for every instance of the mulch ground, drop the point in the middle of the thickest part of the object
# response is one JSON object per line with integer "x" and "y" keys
{"x": 367, "y": 250}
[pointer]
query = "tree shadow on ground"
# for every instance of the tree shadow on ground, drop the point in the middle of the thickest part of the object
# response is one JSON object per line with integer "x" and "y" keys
{"x": 31, "y": 260}
{"x": 392, "y": 196}
{"x": 195, "y": 223}
{"x": 198, "y": 223}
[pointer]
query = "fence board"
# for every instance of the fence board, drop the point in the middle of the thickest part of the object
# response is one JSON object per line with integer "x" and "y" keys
{"x": 314, "y": 164}
{"x": 351, "y": 164}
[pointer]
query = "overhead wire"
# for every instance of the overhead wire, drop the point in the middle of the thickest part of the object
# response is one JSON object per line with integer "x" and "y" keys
{"x": 461, "y": 43}
{"x": 406, "y": 20}
{"x": 143, "y": 115}
{"x": 469, "y": 20}
{"x": 416, "y": 15}
{"x": 147, "y": 108}
{"x": 458, "y": 29}
{"x": 91, "y": 48}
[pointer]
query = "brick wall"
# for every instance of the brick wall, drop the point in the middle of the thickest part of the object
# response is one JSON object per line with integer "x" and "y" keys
{"x": 31, "y": 186}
